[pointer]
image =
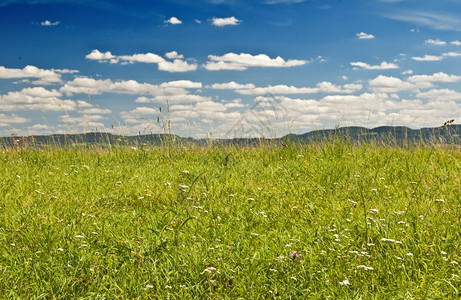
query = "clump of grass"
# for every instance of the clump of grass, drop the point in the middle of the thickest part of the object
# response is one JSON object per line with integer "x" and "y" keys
{"x": 327, "y": 220}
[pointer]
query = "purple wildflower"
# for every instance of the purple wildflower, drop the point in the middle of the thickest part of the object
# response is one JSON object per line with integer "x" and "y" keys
{"x": 295, "y": 255}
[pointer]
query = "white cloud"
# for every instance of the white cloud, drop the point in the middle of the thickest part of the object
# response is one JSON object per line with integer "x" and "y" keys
{"x": 185, "y": 84}
{"x": 242, "y": 61}
{"x": 6, "y": 120}
{"x": 140, "y": 115}
{"x": 436, "y": 42}
{"x": 328, "y": 87}
{"x": 97, "y": 55}
{"x": 440, "y": 95}
{"x": 173, "y": 21}
{"x": 435, "y": 20}
{"x": 220, "y": 22}
{"x": 386, "y": 84}
{"x": 324, "y": 86}
{"x": 407, "y": 72}
{"x": 456, "y": 43}
{"x": 85, "y": 85}
{"x": 84, "y": 121}
{"x": 177, "y": 65}
{"x": 451, "y": 54}
{"x": 231, "y": 86}
{"x": 44, "y": 77}
{"x": 95, "y": 110}
{"x": 436, "y": 77}
{"x": 428, "y": 58}
{"x": 81, "y": 119}
{"x": 173, "y": 55}
{"x": 365, "y": 36}
{"x": 141, "y": 58}
{"x": 48, "y": 23}
{"x": 173, "y": 99}
{"x": 437, "y": 58}
{"x": 36, "y": 98}
{"x": 383, "y": 66}
{"x": 278, "y": 89}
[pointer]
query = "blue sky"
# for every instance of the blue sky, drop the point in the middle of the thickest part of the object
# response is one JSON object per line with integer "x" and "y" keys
{"x": 227, "y": 68}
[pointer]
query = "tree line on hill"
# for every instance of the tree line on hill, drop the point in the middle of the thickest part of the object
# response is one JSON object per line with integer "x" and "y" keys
{"x": 388, "y": 135}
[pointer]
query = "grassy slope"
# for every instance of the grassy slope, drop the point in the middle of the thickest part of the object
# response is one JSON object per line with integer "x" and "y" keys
{"x": 208, "y": 222}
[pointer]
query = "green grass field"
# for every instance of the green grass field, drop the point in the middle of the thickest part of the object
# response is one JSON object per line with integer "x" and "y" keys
{"x": 323, "y": 221}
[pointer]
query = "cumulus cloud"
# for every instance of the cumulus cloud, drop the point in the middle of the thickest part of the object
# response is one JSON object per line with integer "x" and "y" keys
{"x": 383, "y": 66}
{"x": 221, "y": 22}
{"x": 427, "y": 58}
{"x": 99, "y": 56}
{"x": 436, "y": 42}
{"x": 322, "y": 87}
{"x": 6, "y": 120}
{"x": 44, "y": 77}
{"x": 173, "y": 21}
{"x": 278, "y": 89}
{"x": 95, "y": 110}
{"x": 365, "y": 36}
{"x": 140, "y": 115}
{"x": 456, "y": 43}
{"x": 172, "y": 99}
{"x": 387, "y": 84}
{"x": 85, "y": 85}
{"x": 232, "y": 85}
{"x": 435, "y": 57}
{"x": 176, "y": 65}
{"x": 242, "y": 61}
{"x": 185, "y": 84}
{"x": 83, "y": 121}
{"x": 440, "y": 95}
{"x": 36, "y": 98}
{"x": 49, "y": 23}
{"x": 147, "y": 58}
{"x": 436, "y": 77}
{"x": 173, "y": 55}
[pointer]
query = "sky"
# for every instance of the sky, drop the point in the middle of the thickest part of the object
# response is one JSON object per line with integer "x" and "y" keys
{"x": 227, "y": 68}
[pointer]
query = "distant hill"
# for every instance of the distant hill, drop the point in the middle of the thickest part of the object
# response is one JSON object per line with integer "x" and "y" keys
{"x": 397, "y": 135}
{"x": 393, "y": 135}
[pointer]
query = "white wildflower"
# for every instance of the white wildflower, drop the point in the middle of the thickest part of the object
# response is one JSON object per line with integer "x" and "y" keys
{"x": 364, "y": 267}
{"x": 345, "y": 282}
{"x": 209, "y": 270}
{"x": 387, "y": 240}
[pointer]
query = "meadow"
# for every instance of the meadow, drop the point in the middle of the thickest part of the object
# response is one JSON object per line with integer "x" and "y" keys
{"x": 328, "y": 220}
